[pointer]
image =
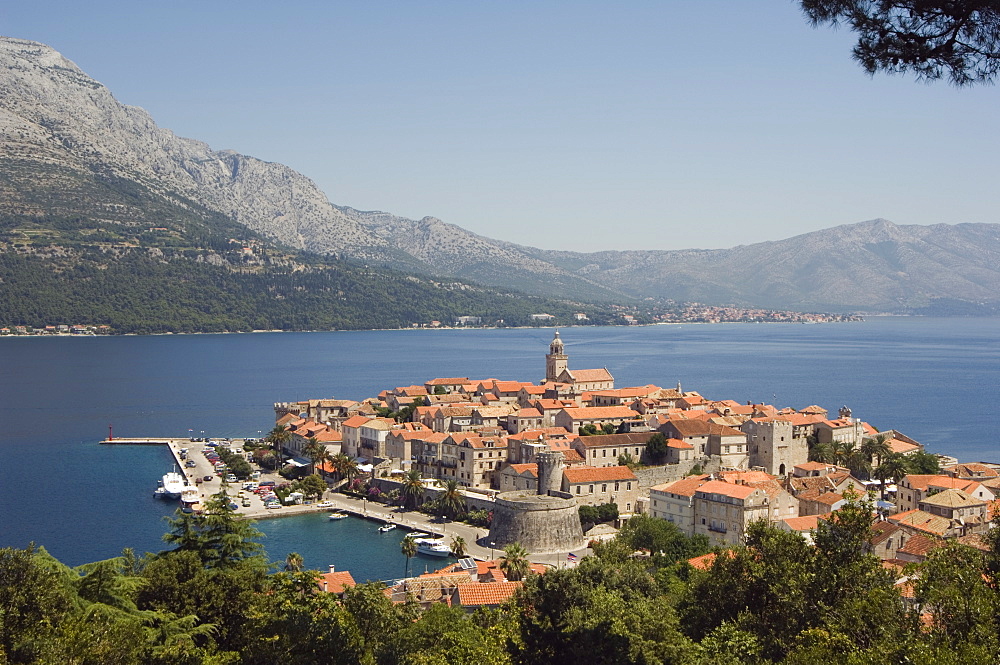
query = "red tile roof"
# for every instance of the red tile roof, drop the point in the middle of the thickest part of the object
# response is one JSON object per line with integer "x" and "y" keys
{"x": 593, "y": 474}
{"x": 491, "y": 594}
{"x": 336, "y": 582}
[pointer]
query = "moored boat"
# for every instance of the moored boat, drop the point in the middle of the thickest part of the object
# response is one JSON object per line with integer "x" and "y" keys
{"x": 432, "y": 546}
{"x": 337, "y": 516}
{"x": 172, "y": 485}
{"x": 385, "y": 528}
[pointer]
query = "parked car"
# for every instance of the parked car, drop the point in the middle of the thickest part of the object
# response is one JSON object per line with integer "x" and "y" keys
{"x": 208, "y": 478}
{"x": 246, "y": 503}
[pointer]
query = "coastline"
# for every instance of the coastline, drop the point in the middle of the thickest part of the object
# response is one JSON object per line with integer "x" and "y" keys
{"x": 475, "y": 537}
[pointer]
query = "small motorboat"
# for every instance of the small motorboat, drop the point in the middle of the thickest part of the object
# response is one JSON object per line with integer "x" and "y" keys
{"x": 387, "y": 527}
{"x": 336, "y": 516}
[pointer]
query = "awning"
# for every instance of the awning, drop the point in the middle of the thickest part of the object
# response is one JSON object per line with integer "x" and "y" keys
{"x": 299, "y": 461}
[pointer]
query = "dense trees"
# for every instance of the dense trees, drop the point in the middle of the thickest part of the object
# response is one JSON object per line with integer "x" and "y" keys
{"x": 773, "y": 599}
{"x": 958, "y": 40}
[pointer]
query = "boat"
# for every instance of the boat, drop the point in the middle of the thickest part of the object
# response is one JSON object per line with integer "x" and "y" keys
{"x": 385, "y": 528}
{"x": 172, "y": 485}
{"x": 432, "y": 547}
{"x": 337, "y": 516}
{"x": 190, "y": 498}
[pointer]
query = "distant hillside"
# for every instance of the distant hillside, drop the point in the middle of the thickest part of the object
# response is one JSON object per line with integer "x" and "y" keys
{"x": 72, "y": 154}
{"x": 874, "y": 265}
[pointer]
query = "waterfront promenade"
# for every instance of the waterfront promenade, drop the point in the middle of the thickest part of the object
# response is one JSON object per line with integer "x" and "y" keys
{"x": 476, "y": 538}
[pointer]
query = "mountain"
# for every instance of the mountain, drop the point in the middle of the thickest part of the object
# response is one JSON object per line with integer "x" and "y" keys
{"x": 70, "y": 151}
{"x": 874, "y": 265}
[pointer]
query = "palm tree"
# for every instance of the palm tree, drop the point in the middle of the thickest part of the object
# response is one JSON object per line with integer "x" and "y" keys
{"x": 339, "y": 463}
{"x": 409, "y": 549}
{"x": 349, "y": 469}
{"x": 458, "y": 547}
{"x": 278, "y": 437}
{"x": 822, "y": 452}
{"x": 514, "y": 563}
{"x": 294, "y": 562}
{"x": 412, "y": 489}
{"x": 848, "y": 454}
{"x": 316, "y": 452}
{"x": 451, "y": 500}
{"x": 876, "y": 448}
{"x": 893, "y": 466}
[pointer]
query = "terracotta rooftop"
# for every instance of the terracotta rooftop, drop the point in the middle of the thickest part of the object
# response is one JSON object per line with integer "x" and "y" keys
{"x": 336, "y": 582}
{"x": 592, "y": 474}
{"x": 684, "y": 486}
{"x": 726, "y": 489}
{"x": 920, "y": 545}
{"x": 924, "y": 521}
{"x": 491, "y": 594}
{"x": 630, "y": 439}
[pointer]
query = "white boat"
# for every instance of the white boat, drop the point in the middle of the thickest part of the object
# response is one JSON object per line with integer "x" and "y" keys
{"x": 385, "y": 528}
{"x": 337, "y": 516}
{"x": 432, "y": 546}
{"x": 172, "y": 485}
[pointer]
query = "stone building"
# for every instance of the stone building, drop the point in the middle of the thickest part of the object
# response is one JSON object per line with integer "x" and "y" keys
{"x": 595, "y": 486}
{"x": 773, "y": 446}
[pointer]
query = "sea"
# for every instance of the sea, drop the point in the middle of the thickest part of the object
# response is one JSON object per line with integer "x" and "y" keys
{"x": 936, "y": 380}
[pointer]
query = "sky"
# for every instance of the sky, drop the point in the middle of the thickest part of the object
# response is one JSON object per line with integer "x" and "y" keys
{"x": 583, "y": 126}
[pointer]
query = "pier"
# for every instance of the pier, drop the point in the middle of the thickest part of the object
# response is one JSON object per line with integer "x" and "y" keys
{"x": 476, "y": 538}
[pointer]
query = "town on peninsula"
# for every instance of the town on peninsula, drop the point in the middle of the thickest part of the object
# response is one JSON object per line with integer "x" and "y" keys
{"x": 547, "y": 460}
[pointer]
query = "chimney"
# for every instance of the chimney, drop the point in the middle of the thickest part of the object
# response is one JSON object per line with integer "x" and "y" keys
{"x": 331, "y": 568}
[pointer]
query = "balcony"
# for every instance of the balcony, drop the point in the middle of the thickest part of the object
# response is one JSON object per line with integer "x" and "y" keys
{"x": 718, "y": 528}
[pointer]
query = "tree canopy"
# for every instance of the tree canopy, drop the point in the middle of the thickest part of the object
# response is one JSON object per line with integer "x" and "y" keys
{"x": 959, "y": 41}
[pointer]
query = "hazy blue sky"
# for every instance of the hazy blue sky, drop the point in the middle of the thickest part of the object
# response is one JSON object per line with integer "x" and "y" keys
{"x": 575, "y": 125}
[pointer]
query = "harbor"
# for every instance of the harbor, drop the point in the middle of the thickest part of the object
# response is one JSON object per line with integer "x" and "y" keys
{"x": 202, "y": 476}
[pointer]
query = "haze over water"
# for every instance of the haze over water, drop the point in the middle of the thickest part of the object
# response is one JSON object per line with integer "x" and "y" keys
{"x": 936, "y": 380}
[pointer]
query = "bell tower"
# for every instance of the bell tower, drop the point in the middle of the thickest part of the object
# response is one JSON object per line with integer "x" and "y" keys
{"x": 556, "y": 361}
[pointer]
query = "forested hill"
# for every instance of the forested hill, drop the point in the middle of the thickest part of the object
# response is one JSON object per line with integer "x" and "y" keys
{"x": 116, "y": 253}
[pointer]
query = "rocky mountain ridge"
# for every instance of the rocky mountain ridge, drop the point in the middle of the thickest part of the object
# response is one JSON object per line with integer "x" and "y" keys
{"x": 69, "y": 148}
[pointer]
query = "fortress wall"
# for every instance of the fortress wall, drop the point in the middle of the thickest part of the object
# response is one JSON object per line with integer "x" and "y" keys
{"x": 540, "y": 523}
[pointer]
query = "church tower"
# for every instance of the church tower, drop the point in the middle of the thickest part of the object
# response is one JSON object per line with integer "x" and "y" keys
{"x": 557, "y": 361}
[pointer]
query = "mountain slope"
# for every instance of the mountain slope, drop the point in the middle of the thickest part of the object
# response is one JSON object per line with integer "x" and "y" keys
{"x": 54, "y": 115}
{"x": 870, "y": 265}
{"x": 69, "y": 150}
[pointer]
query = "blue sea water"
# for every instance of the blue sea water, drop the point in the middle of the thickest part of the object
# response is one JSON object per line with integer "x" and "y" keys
{"x": 937, "y": 380}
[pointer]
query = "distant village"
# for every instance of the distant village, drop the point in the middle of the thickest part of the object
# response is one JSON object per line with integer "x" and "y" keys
{"x": 61, "y": 329}
{"x": 664, "y": 313}
{"x": 709, "y": 466}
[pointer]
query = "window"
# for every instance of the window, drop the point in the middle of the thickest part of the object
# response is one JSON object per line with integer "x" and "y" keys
{"x": 616, "y": 487}
{"x": 577, "y": 489}
{"x": 604, "y": 489}
{"x": 591, "y": 489}
{"x": 628, "y": 485}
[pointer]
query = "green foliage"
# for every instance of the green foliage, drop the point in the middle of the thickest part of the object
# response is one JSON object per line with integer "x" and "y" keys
{"x": 193, "y": 276}
{"x": 236, "y": 464}
{"x": 662, "y": 539}
{"x": 607, "y": 512}
{"x": 921, "y": 462}
{"x": 774, "y": 599}
{"x": 656, "y": 448}
{"x": 957, "y": 40}
{"x": 312, "y": 486}
{"x": 218, "y": 537}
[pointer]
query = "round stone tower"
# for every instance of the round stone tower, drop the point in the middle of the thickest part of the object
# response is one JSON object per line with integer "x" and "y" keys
{"x": 550, "y": 471}
{"x": 541, "y": 523}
